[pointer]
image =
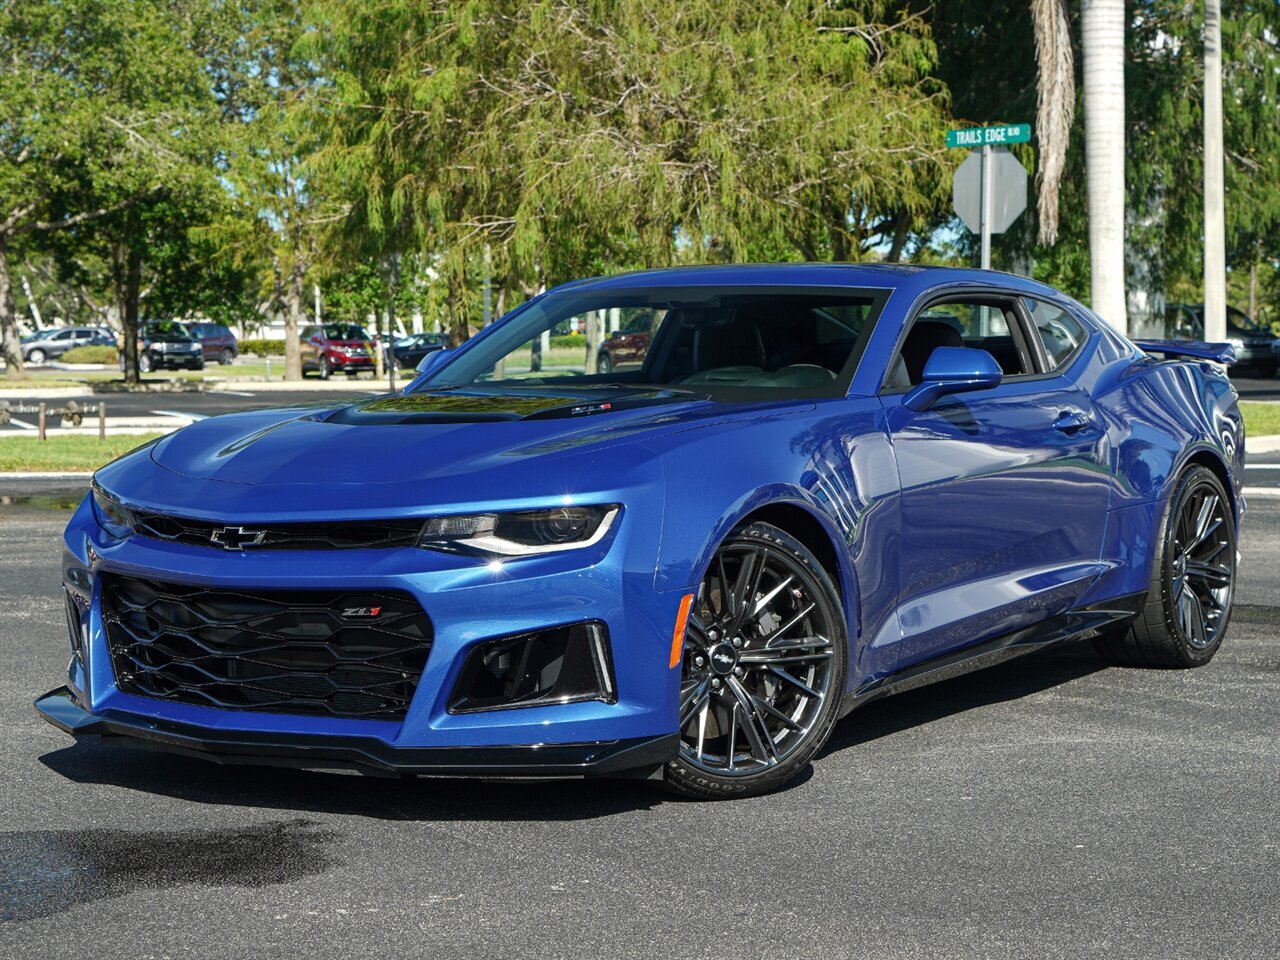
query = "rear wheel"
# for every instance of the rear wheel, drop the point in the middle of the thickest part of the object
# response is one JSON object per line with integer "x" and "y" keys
{"x": 1189, "y": 600}
{"x": 763, "y": 669}
{"x": 226, "y": 357}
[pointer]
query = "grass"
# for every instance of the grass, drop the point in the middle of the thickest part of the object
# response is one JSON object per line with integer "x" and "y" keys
{"x": 65, "y": 454}
{"x": 1261, "y": 419}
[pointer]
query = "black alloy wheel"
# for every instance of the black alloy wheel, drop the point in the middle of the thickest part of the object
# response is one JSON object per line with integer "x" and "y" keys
{"x": 763, "y": 668}
{"x": 1188, "y": 606}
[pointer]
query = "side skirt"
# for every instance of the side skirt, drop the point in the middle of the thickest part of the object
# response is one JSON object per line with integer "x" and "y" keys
{"x": 1071, "y": 625}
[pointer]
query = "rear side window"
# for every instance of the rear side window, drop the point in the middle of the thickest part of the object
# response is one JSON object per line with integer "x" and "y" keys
{"x": 1060, "y": 332}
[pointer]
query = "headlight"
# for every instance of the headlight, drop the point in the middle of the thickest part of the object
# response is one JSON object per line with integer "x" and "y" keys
{"x": 1236, "y": 342}
{"x": 522, "y": 533}
{"x": 112, "y": 515}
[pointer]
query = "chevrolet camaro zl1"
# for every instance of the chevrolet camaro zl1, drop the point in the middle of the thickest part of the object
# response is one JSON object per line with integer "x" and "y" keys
{"x": 816, "y": 485}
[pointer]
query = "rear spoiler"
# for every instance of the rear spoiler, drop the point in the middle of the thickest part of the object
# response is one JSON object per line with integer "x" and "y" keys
{"x": 1217, "y": 352}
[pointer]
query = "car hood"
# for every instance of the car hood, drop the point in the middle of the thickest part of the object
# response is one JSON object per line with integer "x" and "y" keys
{"x": 489, "y": 436}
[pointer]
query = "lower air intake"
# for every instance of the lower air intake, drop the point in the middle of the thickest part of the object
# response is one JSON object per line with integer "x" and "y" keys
{"x": 321, "y": 653}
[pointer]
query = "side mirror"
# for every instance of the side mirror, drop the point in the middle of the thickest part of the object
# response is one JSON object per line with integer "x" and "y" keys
{"x": 953, "y": 370}
{"x": 433, "y": 360}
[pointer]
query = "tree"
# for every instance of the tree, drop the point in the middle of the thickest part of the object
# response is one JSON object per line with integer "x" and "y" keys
{"x": 106, "y": 121}
{"x": 1055, "y": 107}
{"x": 264, "y": 88}
{"x": 1102, "y": 32}
{"x": 568, "y": 138}
{"x": 1215, "y": 231}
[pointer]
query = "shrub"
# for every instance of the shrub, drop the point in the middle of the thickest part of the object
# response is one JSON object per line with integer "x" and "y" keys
{"x": 570, "y": 340}
{"x": 100, "y": 354}
{"x": 263, "y": 348}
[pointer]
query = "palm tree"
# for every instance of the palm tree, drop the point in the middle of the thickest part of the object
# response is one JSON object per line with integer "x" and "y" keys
{"x": 1102, "y": 25}
{"x": 1215, "y": 255}
{"x": 1055, "y": 107}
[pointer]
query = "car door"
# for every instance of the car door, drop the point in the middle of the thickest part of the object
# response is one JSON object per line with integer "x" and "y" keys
{"x": 60, "y": 343}
{"x": 1004, "y": 491}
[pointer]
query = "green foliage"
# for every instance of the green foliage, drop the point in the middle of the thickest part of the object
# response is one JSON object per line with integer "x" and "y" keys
{"x": 575, "y": 340}
{"x": 262, "y": 348}
{"x": 100, "y": 354}
{"x": 557, "y": 139}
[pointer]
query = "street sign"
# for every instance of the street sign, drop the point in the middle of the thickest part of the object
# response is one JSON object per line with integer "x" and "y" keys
{"x": 989, "y": 192}
{"x": 989, "y": 136}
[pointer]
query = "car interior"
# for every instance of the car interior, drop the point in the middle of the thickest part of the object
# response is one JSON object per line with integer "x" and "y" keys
{"x": 990, "y": 325}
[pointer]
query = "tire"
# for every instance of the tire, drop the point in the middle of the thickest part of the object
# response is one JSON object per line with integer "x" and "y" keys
{"x": 737, "y": 690}
{"x": 604, "y": 364}
{"x": 1268, "y": 370}
{"x": 226, "y": 357}
{"x": 323, "y": 368}
{"x": 1186, "y": 614}
{"x": 145, "y": 363}
{"x": 37, "y": 357}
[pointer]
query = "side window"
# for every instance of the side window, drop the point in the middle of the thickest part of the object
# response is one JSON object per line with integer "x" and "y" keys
{"x": 1060, "y": 332}
{"x": 971, "y": 322}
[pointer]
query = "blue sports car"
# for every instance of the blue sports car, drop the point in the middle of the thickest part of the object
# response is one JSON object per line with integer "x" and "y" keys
{"x": 815, "y": 485}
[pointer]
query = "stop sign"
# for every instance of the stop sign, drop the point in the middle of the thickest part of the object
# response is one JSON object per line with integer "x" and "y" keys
{"x": 1007, "y": 182}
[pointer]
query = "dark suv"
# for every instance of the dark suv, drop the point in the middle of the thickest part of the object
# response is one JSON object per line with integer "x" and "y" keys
{"x": 336, "y": 348}
{"x": 1256, "y": 346}
{"x": 217, "y": 343}
{"x": 166, "y": 344}
{"x": 48, "y": 344}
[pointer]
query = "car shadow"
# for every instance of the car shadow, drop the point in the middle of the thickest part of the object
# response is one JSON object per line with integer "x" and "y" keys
{"x": 386, "y": 798}
{"x": 429, "y": 799}
{"x": 1012, "y": 680}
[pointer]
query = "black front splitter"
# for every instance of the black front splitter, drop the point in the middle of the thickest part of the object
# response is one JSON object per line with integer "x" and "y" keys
{"x": 610, "y": 758}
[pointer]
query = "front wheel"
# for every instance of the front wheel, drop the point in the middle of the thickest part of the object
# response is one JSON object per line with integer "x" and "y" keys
{"x": 604, "y": 364}
{"x": 323, "y": 369}
{"x": 763, "y": 668}
{"x": 36, "y": 356}
{"x": 145, "y": 363}
{"x": 1189, "y": 600}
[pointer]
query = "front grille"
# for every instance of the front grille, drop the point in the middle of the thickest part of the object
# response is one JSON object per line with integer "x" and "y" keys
{"x": 344, "y": 535}
{"x": 325, "y": 653}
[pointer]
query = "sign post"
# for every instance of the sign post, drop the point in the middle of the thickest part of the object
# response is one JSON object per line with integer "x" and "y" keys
{"x": 989, "y": 191}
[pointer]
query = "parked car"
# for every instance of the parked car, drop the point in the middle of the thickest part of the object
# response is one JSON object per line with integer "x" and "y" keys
{"x": 1257, "y": 348}
{"x": 824, "y": 484}
{"x": 50, "y": 344}
{"x": 625, "y": 349}
{"x": 166, "y": 344}
{"x": 217, "y": 343}
{"x": 336, "y": 348}
{"x": 410, "y": 350}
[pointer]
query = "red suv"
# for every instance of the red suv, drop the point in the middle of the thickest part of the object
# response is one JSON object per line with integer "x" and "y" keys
{"x": 626, "y": 346}
{"x": 336, "y": 348}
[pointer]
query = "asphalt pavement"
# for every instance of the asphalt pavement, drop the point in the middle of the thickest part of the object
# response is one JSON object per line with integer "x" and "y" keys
{"x": 1050, "y": 807}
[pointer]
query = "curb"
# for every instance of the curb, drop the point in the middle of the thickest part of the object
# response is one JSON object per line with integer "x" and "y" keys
{"x": 1264, "y": 444}
{"x": 21, "y": 475}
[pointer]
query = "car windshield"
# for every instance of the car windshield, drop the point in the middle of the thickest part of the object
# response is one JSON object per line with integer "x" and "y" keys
{"x": 345, "y": 331}
{"x": 724, "y": 342}
{"x": 1238, "y": 321}
{"x": 168, "y": 329}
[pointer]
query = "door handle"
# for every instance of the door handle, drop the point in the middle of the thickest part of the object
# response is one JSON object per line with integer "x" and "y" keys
{"x": 1070, "y": 421}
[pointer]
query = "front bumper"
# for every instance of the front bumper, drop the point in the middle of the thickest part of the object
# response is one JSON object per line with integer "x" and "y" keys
{"x": 469, "y": 601}
{"x": 640, "y": 756}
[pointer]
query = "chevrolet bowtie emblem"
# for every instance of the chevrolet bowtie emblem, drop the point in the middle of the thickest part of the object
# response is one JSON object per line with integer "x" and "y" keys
{"x": 237, "y": 538}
